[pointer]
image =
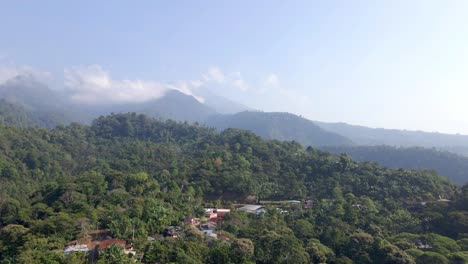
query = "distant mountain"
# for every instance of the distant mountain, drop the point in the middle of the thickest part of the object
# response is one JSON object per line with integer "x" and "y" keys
{"x": 173, "y": 105}
{"x": 280, "y": 126}
{"x": 450, "y": 165}
{"x": 16, "y": 115}
{"x": 31, "y": 100}
{"x": 221, "y": 104}
{"x": 25, "y": 102}
{"x": 177, "y": 106}
{"x": 379, "y": 136}
{"x": 31, "y": 94}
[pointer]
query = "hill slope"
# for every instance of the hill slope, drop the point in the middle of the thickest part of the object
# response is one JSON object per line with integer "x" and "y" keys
{"x": 280, "y": 126}
{"x": 379, "y": 136}
{"x": 25, "y": 102}
{"x": 18, "y": 116}
{"x": 450, "y": 165}
{"x": 177, "y": 106}
{"x": 221, "y": 104}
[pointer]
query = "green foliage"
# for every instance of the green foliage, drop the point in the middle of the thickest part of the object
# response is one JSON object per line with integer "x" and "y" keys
{"x": 459, "y": 257}
{"x": 431, "y": 257}
{"x": 113, "y": 254}
{"x": 318, "y": 252}
{"x": 136, "y": 176}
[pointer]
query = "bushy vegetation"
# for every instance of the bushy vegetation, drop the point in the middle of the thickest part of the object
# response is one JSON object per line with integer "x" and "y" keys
{"x": 450, "y": 165}
{"x": 135, "y": 176}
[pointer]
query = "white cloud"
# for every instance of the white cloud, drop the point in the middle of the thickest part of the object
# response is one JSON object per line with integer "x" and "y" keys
{"x": 272, "y": 80}
{"x": 240, "y": 84}
{"x": 196, "y": 83}
{"x": 187, "y": 87}
{"x": 8, "y": 72}
{"x": 236, "y": 80}
{"x": 214, "y": 74}
{"x": 92, "y": 84}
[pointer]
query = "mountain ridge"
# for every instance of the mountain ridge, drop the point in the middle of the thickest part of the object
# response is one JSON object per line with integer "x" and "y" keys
{"x": 35, "y": 100}
{"x": 280, "y": 126}
{"x": 367, "y": 136}
{"x": 448, "y": 164}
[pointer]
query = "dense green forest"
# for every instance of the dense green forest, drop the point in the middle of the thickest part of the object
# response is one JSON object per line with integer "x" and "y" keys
{"x": 450, "y": 165}
{"x": 136, "y": 176}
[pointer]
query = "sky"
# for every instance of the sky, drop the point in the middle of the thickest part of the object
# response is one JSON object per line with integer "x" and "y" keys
{"x": 393, "y": 64}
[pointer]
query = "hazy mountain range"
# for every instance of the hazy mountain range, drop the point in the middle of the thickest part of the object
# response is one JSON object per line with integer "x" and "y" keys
{"x": 25, "y": 102}
{"x": 379, "y": 136}
{"x": 280, "y": 126}
{"x": 29, "y": 97}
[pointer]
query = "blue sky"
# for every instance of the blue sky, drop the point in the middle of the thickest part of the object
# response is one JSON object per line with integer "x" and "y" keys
{"x": 393, "y": 64}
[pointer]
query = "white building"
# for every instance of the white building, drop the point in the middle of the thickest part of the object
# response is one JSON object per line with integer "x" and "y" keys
{"x": 252, "y": 209}
{"x": 76, "y": 248}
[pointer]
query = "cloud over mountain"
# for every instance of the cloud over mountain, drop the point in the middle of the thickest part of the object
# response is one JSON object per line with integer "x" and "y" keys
{"x": 8, "y": 72}
{"x": 92, "y": 84}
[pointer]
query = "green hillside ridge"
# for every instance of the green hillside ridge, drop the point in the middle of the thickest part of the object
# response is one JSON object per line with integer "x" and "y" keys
{"x": 280, "y": 126}
{"x": 17, "y": 116}
{"x": 367, "y": 136}
{"x": 450, "y": 165}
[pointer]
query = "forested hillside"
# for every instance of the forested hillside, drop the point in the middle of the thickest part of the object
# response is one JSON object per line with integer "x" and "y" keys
{"x": 136, "y": 176}
{"x": 173, "y": 105}
{"x": 280, "y": 126}
{"x": 367, "y": 136}
{"x": 17, "y": 116}
{"x": 450, "y": 165}
{"x": 26, "y": 102}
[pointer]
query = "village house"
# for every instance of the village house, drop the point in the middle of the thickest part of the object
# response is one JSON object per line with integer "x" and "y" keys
{"x": 106, "y": 243}
{"x": 215, "y": 213}
{"x": 252, "y": 209}
{"x": 223, "y": 212}
{"x": 206, "y": 226}
{"x": 211, "y": 213}
{"x": 172, "y": 231}
{"x": 89, "y": 242}
{"x": 191, "y": 220}
{"x": 76, "y": 248}
{"x": 128, "y": 248}
{"x": 308, "y": 203}
{"x": 210, "y": 236}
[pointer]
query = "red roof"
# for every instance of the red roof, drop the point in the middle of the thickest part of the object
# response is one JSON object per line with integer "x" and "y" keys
{"x": 104, "y": 244}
